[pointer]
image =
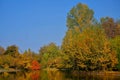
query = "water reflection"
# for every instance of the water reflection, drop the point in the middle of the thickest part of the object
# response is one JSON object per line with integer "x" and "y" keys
{"x": 55, "y": 75}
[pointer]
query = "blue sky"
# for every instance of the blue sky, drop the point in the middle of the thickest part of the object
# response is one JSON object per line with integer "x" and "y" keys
{"x": 34, "y": 23}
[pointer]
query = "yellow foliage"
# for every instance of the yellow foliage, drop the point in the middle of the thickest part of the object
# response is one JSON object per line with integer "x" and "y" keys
{"x": 89, "y": 49}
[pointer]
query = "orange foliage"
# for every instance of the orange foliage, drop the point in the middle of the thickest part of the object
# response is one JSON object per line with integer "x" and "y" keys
{"x": 35, "y": 65}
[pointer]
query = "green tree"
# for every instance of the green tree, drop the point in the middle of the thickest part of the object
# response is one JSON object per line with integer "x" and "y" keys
{"x": 80, "y": 16}
{"x": 115, "y": 44}
{"x": 48, "y": 53}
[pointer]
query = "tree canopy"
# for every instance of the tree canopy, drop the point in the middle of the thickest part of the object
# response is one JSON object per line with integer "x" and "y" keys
{"x": 80, "y": 16}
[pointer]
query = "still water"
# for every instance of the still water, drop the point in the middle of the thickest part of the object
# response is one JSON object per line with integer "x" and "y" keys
{"x": 55, "y": 75}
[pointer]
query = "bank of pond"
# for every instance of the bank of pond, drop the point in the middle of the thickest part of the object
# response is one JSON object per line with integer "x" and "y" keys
{"x": 54, "y": 74}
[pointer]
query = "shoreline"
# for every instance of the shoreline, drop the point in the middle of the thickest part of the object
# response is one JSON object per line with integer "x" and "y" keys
{"x": 2, "y": 70}
{"x": 73, "y": 72}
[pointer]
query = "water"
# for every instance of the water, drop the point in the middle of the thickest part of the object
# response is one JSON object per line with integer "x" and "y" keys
{"x": 55, "y": 75}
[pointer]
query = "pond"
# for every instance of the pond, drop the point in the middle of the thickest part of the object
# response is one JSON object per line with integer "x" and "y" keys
{"x": 55, "y": 75}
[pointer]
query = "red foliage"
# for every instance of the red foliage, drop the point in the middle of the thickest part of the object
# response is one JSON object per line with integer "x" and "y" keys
{"x": 35, "y": 65}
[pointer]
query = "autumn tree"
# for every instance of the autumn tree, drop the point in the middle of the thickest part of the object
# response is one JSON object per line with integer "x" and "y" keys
{"x": 80, "y": 16}
{"x": 85, "y": 44}
{"x": 27, "y": 59}
{"x": 111, "y": 27}
{"x": 89, "y": 50}
{"x": 10, "y": 58}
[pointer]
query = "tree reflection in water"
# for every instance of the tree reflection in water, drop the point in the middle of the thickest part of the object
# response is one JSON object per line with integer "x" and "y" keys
{"x": 56, "y": 75}
{"x": 35, "y": 75}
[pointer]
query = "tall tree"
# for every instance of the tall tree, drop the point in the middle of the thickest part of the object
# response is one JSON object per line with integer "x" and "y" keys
{"x": 80, "y": 16}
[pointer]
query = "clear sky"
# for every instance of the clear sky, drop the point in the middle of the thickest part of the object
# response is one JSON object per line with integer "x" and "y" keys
{"x": 34, "y": 23}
